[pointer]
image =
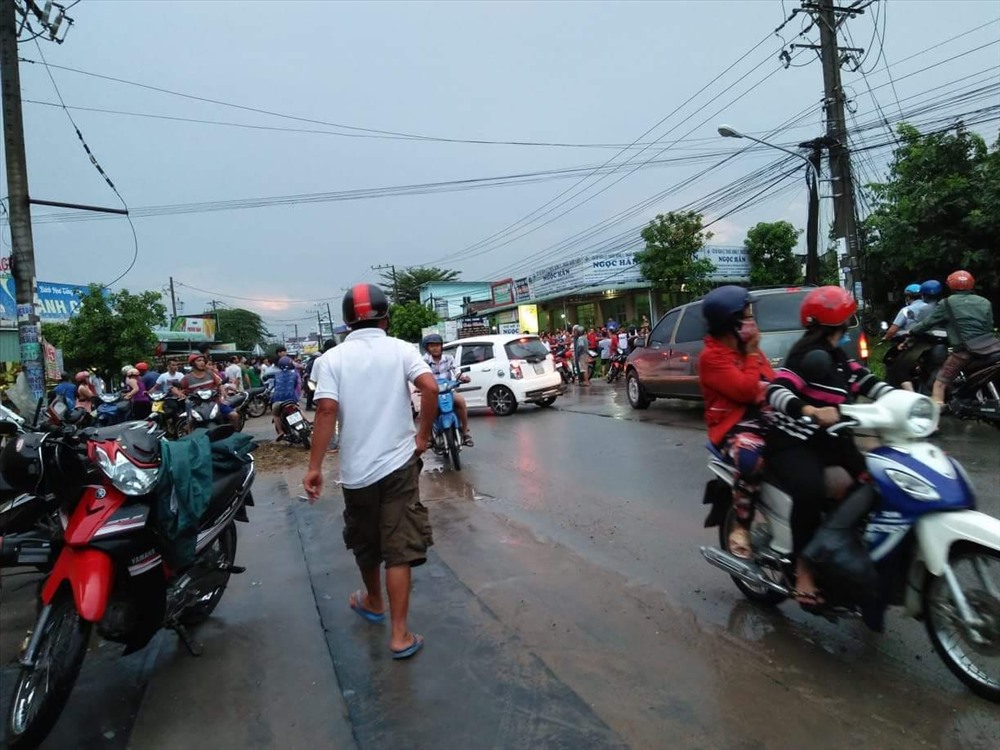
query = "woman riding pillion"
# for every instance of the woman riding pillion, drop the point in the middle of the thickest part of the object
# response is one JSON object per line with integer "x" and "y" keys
{"x": 443, "y": 366}
{"x": 816, "y": 378}
{"x": 733, "y": 374}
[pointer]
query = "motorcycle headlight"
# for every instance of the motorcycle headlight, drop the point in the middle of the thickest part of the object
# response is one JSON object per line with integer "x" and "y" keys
{"x": 214, "y": 413}
{"x": 922, "y": 418}
{"x": 125, "y": 475}
{"x": 913, "y": 485}
{"x": 204, "y": 394}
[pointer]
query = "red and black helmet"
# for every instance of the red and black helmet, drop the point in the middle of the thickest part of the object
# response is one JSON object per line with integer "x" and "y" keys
{"x": 961, "y": 281}
{"x": 827, "y": 306}
{"x": 365, "y": 302}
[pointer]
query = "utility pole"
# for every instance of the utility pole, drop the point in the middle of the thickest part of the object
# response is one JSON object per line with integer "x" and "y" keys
{"x": 812, "y": 224}
{"x": 173, "y": 297}
{"x": 29, "y": 334}
{"x": 329, "y": 317}
{"x": 845, "y": 218}
{"x": 395, "y": 283}
{"x": 319, "y": 324}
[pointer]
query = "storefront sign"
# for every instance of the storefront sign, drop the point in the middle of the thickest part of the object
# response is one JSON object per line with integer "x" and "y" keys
{"x": 473, "y": 327}
{"x": 56, "y": 302}
{"x": 189, "y": 328}
{"x": 522, "y": 289}
{"x": 503, "y": 292}
{"x": 508, "y": 328}
{"x": 527, "y": 318}
{"x": 731, "y": 263}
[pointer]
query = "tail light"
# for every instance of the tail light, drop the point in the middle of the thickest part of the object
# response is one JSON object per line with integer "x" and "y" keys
{"x": 515, "y": 371}
{"x": 863, "y": 346}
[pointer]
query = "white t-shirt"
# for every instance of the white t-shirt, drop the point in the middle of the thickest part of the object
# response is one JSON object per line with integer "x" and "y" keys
{"x": 623, "y": 341}
{"x": 234, "y": 374}
{"x": 368, "y": 375}
{"x": 909, "y": 315}
{"x": 166, "y": 380}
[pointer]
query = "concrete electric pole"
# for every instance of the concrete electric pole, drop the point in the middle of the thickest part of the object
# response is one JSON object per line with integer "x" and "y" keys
{"x": 395, "y": 284}
{"x": 845, "y": 217}
{"x": 29, "y": 334}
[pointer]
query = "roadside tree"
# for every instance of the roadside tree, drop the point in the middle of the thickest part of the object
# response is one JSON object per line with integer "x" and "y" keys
{"x": 244, "y": 327}
{"x": 938, "y": 210}
{"x": 771, "y": 247}
{"x": 109, "y": 330}
{"x": 408, "y": 321}
{"x": 670, "y": 260}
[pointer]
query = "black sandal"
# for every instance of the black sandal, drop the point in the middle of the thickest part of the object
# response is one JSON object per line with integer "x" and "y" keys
{"x": 467, "y": 440}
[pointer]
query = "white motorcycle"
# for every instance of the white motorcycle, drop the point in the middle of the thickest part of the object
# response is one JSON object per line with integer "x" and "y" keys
{"x": 912, "y": 538}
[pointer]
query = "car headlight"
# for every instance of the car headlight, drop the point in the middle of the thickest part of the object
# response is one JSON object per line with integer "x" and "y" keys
{"x": 125, "y": 475}
{"x": 913, "y": 485}
{"x": 922, "y": 419}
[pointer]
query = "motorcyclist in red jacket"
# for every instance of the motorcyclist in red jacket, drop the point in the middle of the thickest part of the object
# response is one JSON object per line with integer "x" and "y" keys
{"x": 733, "y": 374}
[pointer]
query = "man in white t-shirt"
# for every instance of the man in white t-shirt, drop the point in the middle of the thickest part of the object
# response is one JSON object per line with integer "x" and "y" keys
{"x": 364, "y": 384}
{"x": 234, "y": 373}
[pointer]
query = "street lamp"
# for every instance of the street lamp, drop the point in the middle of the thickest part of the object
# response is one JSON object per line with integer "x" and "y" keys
{"x": 812, "y": 239}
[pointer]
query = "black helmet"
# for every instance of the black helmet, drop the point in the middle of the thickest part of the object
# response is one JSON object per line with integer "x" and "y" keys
{"x": 721, "y": 306}
{"x": 365, "y": 302}
{"x": 432, "y": 338}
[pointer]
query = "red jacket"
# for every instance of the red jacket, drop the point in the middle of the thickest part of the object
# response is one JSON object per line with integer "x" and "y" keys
{"x": 730, "y": 382}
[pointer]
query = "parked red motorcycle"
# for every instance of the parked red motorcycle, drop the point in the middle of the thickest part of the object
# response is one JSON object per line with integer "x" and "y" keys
{"x": 110, "y": 569}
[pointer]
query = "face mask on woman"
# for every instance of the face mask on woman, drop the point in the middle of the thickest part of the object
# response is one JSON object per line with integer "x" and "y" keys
{"x": 748, "y": 329}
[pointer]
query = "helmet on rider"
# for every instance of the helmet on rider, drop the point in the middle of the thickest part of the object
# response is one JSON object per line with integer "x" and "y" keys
{"x": 285, "y": 363}
{"x": 364, "y": 302}
{"x": 723, "y": 308}
{"x": 126, "y": 370}
{"x": 432, "y": 338}
{"x": 912, "y": 290}
{"x": 961, "y": 281}
{"x": 141, "y": 366}
{"x": 82, "y": 376}
{"x": 192, "y": 358}
{"x": 931, "y": 288}
{"x": 830, "y": 306}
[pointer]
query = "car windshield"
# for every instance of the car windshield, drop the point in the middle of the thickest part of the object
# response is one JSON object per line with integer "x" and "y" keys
{"x": 779, "y": 312}
{"x": 530, "y": 349}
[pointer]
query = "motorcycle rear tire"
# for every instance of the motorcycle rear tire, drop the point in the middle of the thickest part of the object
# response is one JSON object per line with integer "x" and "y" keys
{"x": 199, "y": 612}
{"x": 306, "y": 438}
{"x": 767, "y": 597}
{"x": 37, "y": 727}
{"x": 454, "y": 448}
{"x": 256, "y": 408}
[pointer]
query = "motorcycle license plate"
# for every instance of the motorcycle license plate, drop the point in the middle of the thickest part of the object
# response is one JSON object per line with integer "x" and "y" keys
{"x": 157, "y": 406}
{"x": 294, "y": 418}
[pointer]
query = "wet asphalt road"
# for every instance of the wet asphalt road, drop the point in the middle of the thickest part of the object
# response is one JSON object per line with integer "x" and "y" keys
{"x": 564, "y": 604}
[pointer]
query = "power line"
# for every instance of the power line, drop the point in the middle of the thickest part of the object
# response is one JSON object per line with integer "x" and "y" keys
{"x": 257, "y": 299}
{"x": 98, "y": 167}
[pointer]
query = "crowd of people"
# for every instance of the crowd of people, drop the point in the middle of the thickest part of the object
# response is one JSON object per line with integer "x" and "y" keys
{"x": 594, "y": 345}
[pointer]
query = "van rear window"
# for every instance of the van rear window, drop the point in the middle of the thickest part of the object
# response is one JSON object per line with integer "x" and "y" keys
{"x": 779, "y": 312}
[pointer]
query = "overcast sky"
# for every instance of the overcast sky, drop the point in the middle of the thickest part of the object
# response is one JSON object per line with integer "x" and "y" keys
{"x": 583, "y": 73}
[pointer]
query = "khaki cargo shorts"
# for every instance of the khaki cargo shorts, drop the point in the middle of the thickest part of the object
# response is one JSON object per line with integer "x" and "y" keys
{"x": 386, "y": 523}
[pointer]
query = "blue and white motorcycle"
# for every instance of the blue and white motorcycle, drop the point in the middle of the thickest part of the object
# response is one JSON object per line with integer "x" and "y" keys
{"x": 446, "y": 436}
{"x": 917, "y": 534}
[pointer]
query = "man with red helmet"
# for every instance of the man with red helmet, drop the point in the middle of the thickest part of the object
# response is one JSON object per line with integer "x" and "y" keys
{"x": 817, "y": 376}
{"x": 965, "y": 316}
{"x": 364, "y": 384}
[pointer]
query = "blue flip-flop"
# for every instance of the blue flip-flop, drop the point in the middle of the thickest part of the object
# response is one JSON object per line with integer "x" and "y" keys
{"x": 406, "y": 653}
{"x": 375, "y": 617}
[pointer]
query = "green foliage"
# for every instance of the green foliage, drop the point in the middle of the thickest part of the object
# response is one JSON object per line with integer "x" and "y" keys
{"x": 771, "y": 247}
{"x": 55, "y": 334}
{"x": 829, "y": 269}
{"x": 243, "y": 327}
{"x": 938, "y": 211}
{"x": 409, "y": 280}
{"x": 109, "y": 331}
{"x": 408, "y": 321}
{"x": 670, "y": 260}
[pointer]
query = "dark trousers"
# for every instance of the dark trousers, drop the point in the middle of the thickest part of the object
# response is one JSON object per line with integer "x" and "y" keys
{"x": 799, "y": 469}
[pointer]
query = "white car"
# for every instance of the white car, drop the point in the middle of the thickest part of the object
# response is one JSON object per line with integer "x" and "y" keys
{"x": 506, "y": 371}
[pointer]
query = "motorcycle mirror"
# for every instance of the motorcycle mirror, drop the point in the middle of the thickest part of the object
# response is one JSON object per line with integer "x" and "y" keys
{"x": 464, "y": 369}
{"x": 817, "y": 364}
{"x": 884, "y": 326}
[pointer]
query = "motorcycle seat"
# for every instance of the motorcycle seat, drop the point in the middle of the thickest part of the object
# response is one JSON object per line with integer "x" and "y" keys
{"x": 256, "y": 391}
{"x": 977, "y": 363}
{"x": 225, "y": 484}
{"x": 237, "y": 400}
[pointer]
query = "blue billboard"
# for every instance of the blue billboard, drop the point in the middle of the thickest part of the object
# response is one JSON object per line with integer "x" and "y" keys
{"x": 56, "y": 302}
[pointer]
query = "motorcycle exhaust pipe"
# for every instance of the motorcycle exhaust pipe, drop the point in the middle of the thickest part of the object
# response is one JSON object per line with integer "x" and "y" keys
{"x": 746, "y": 571}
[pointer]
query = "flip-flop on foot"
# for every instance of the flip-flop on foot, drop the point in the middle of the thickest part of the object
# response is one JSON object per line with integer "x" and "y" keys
{"x": 810, "y": 601}
{"x": 406, "y": 653}
{"x": 367, "y": 614}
